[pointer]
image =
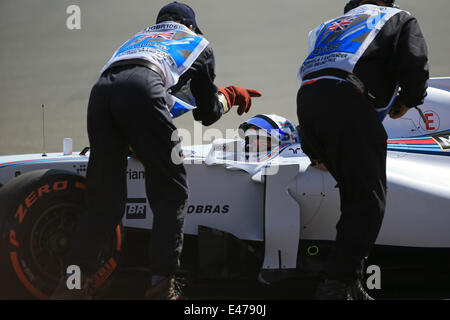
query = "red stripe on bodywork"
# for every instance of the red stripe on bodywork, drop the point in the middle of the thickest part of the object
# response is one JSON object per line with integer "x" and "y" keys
{"x": 423, "y": 141}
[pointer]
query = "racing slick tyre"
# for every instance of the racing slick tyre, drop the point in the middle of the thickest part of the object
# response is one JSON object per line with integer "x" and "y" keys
{"x": 39, "y": 211}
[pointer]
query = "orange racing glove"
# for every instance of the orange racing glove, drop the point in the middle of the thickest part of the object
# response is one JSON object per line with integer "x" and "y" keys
{"x": 239, "y": 96}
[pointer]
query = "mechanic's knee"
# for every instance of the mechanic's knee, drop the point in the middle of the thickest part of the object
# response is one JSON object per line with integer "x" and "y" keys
{"x": 169, "y": 201}
{"x": 180, "y": 198}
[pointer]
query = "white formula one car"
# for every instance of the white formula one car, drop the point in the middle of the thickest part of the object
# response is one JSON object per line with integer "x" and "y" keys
{"x": 281, "y": 208}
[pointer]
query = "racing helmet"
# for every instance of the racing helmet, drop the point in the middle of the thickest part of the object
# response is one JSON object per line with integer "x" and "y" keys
{"x": 352, "y": 4}
{"x": 269, "y": 129}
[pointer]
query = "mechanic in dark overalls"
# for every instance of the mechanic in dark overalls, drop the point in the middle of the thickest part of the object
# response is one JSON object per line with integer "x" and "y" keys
{"x": 160, "y": 73}
{"x": 350, "y": 80}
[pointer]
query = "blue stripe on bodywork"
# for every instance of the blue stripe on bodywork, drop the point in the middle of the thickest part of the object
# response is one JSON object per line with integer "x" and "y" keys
{"x": 38, "y": 161}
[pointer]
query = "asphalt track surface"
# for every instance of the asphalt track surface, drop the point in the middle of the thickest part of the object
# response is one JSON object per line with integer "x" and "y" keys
{"x": 258, "y": 44}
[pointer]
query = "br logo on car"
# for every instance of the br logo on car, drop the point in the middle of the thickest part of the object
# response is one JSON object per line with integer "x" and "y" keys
{"x": 136, "y": 208}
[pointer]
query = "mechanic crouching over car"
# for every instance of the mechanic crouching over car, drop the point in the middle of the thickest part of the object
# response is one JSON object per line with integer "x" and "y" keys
{"x": 160, "y": 73}
{"x": 350, "y": 80}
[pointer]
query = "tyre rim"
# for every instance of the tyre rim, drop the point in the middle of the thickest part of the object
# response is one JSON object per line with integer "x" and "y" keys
{"x": 50, "y": 238}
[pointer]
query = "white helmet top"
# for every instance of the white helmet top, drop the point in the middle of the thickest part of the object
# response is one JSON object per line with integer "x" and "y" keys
{"x": 275, "y": 126}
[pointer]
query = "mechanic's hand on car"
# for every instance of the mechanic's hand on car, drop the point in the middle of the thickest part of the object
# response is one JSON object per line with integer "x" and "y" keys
{"x": 317, "y": 164}
{"x": 398, "y": 110}
{"x": 239, "y": 96}
{"x": 321, "y": 167}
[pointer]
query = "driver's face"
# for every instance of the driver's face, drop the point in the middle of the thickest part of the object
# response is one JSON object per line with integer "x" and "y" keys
{"x": 258, "y": 141}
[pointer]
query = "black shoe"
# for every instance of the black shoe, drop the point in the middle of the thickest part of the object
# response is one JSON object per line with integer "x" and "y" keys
{"x": 63, "y": 293}
{"x": 357, "y": 292}
{"x": 167, "y": 289}
{"x": 341, "y": 290}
